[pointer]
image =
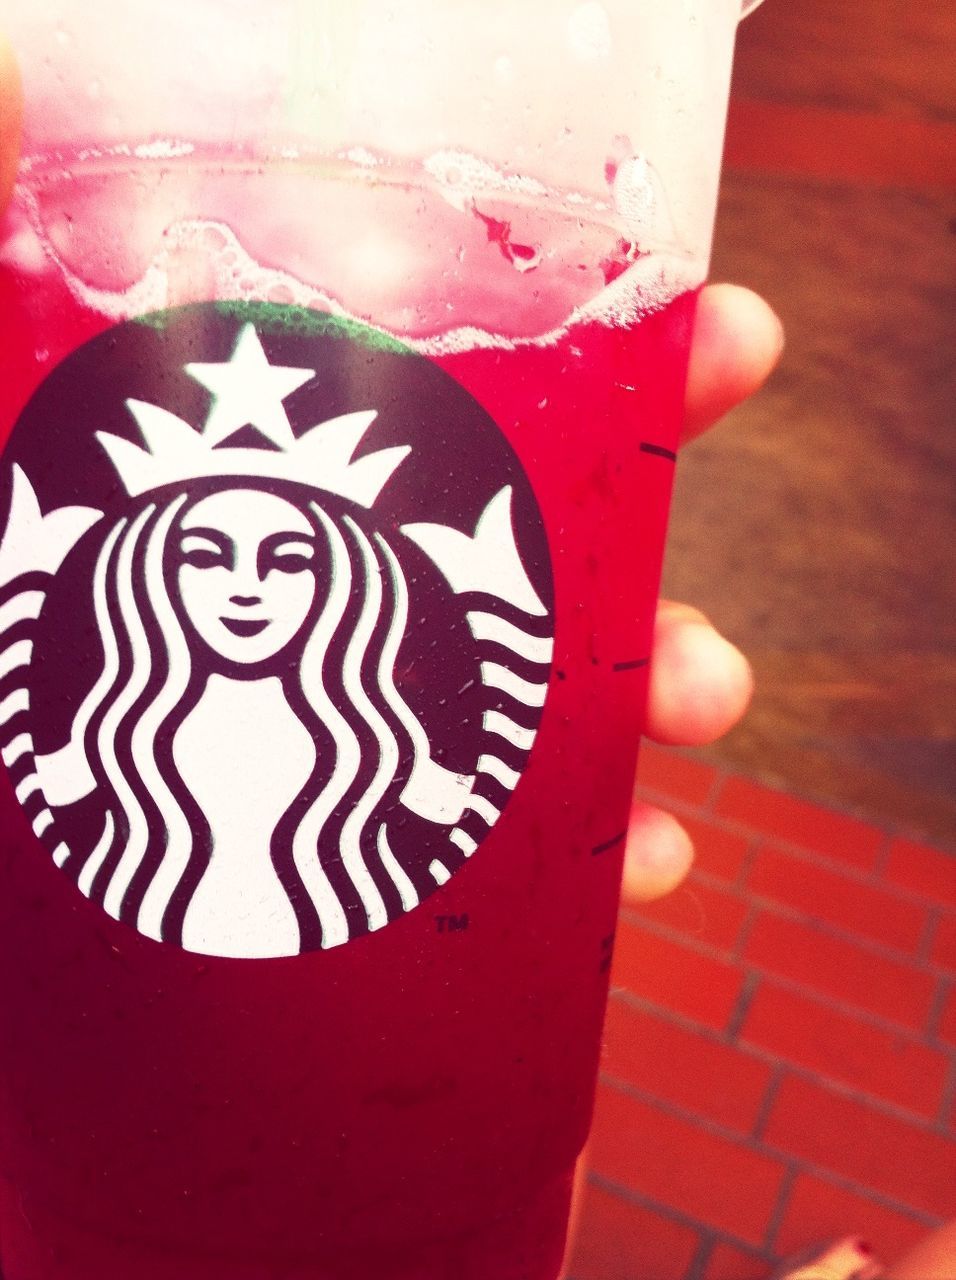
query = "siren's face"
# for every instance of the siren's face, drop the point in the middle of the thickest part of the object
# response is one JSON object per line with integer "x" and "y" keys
{"x": 246, "y": 573}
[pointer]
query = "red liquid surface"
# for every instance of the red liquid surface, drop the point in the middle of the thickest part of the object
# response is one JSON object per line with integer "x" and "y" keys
{"x": 409, "y": 1105}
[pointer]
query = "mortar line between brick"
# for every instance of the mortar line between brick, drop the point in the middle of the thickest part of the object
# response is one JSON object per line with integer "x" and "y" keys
{"x": 767, "y": 1103}
{"x": 775, "y": 1221}
{"x": 739, "y": 891}
{"x": 905, "y": 959}
{"x": 841, "y": 934}
{"x": 629, "y": 1194}
{"x": 878, "y": 1198}
{"x": 889, "y": 829}
{"x": 675, "y": 1215}
{"x": 798, "y": 988}
{"x": 712, "y": 1236}
{"x": 937, "y": 1008}
{"x": 626, "y": 997}
{"x": 746, "y": 929}
{"x": 698, "y": 1264}
{"x": 761, "y": 1252}
{"x": 730, "y": 887}
{"x": 734, "y": 826}
{"x": 924, "y": 949}
{"x": 713, "y": 793}
{"x": 947, "y": 1105}
{"x": 884, "y": 827}
{"x": 704, "y": 1123}
{"x": 747, "y": 863}
{"x": 638, "y": 921}
{"x": 739, "y": 885}
{"x": 740, "y": 1010}
{"x": 853, "y": 1092}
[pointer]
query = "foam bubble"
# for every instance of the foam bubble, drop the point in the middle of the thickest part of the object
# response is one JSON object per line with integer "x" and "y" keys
{"x": 163, "y": 149}
{"x": 363, "y": 157}
{"x": 467, "y": 176}
{"x": 196, "y": 259}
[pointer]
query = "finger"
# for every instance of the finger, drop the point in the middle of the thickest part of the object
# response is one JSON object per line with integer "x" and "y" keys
{"x": 737, "y": 342}
{"x": 11, "y": 119}
{"x": 658, "y": 854}
{"x": 700, "y": 684}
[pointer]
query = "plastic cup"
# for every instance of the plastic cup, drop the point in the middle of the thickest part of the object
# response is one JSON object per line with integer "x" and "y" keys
{"x": 345, "y": 350}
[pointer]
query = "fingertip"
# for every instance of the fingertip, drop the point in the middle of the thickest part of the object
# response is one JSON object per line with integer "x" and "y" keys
{"x": 700, "y": 683}
{"x": 657, "y": 857}
{"x": 738, "y": 340}
{"x": 741, "y": 319}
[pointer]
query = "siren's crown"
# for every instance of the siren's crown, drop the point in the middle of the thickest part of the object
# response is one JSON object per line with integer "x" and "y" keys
{"x": 249, "y": 391}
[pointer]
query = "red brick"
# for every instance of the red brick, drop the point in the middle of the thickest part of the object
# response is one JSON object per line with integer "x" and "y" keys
{"x": 892, "y": 1066}
{"x": 777, "y": 814}
{"x": 728, "y": 1263}
{"x": 820, "y": 1210}
{"x": 667, "y": 773}
{"x": 889, "y": 988}
{"x": 905, "y": 1161}
{"x": 944, "y": 943}
{"x": 672, "y": 975}
{"x": 704, "y": 913}
{"x": 828, "y": 895}
{"x": 674, "y": 1162}
{"x": 678, "y": 1065}
{"x": 924, "y": 870}
{"x": 718, "y": 852}
{"x": 618, "y": 1240}
{"x": 947, "y": 1025}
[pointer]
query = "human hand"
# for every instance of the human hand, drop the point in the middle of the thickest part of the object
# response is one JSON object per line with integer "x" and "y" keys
{"x": 700, "y": 685}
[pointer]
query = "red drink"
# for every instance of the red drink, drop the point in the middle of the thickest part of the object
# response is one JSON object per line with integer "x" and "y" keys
{"x": 407, "y": 1097}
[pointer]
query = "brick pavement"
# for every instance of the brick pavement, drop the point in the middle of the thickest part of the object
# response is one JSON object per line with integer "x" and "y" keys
{"x": 780, "y": 1048}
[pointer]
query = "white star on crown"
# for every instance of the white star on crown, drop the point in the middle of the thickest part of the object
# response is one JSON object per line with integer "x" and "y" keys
{"x": 249, "y": 391}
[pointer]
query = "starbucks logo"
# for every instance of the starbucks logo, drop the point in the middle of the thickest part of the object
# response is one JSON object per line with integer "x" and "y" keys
{"x": 275, "y": 626}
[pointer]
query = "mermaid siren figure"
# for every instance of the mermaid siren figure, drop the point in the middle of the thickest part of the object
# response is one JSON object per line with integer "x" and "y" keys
{"x": 252, "y": 769}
